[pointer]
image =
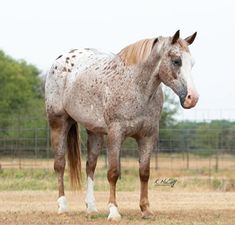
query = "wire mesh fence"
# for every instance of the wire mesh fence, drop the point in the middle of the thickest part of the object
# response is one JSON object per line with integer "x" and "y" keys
{"x": 177, "y": 149}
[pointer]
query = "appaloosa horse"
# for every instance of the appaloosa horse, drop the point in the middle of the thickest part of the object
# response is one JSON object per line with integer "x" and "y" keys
{"x": 117, "y": 95}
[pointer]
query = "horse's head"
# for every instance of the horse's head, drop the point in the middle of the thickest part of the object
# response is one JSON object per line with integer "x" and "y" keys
{"x": 175, "y": 67}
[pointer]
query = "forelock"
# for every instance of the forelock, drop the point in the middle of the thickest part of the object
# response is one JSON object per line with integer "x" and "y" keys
{"x": 183, "y": 45}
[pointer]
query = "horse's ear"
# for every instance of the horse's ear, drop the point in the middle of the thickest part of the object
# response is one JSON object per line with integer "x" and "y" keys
{"x": 191, "y": 38}
{"x": 154, "y": 42}
{"x": 175, "y": 37}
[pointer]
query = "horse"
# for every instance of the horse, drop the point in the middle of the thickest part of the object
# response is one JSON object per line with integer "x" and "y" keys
{"x": 118, "y": 95}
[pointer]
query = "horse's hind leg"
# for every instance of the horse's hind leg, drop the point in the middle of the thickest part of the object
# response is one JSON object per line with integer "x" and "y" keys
{"x": 94, "y": 145}
{"x": 59, "y": 129}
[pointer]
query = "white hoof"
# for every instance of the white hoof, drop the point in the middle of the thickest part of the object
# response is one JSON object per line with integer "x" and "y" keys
{"x": 91, "y": 208}
{"x": 62, "y": 205}
{"x": 114, "y": 215}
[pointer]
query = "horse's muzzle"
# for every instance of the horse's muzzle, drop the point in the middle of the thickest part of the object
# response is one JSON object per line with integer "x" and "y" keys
{"x": 189, "y": 99}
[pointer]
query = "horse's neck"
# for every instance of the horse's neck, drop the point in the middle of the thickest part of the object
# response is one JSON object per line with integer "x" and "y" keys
{"x": 145, "y": 60}
{"x": 147, "y": 75}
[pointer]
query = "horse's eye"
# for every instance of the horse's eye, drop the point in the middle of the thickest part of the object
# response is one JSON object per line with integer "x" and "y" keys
{"x": 177, "y": 62}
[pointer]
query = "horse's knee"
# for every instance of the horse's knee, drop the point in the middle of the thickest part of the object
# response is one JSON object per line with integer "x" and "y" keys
{"x": 113, "y": 174}
{"x": 59, "y": 164}
{"x": 90, "y": 166}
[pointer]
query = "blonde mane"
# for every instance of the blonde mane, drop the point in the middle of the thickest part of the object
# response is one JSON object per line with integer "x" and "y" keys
{"x": 138, "y": 52}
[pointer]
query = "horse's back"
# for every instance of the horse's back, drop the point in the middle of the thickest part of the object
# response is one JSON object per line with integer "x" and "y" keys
{"x": 78, "y": 61}
{"x": 69, "y": 74}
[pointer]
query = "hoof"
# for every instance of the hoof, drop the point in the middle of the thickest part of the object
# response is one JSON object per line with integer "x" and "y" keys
{"x": 147, "y": 214}
{"x": 114, "y": 218}
{"x": 62, "y": 211}
{"x": 62, "y": 205}
{"x": 91, "y": 210}
{"x": 114, "y": 215}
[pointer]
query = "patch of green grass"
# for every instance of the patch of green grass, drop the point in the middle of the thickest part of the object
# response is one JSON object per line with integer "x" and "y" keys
{"x": 27, "y": 179}
{"x": 46, "y": 179}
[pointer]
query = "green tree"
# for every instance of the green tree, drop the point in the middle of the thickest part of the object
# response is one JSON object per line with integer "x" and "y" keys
{"x": 19, "y": 90}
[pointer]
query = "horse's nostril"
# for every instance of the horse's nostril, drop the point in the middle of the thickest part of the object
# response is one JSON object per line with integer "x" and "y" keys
{"x": 189, "y": 96}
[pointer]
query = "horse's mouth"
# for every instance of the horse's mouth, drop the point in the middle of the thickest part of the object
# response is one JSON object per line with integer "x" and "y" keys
{"x": 188, "y": 97}
{"x": 189, "y": 101}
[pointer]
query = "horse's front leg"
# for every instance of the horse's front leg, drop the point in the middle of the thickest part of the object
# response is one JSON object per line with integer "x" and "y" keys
{"x": 115, "y": 139}
{"x": 94, "y": 145}
{"x": 146, "y": 145}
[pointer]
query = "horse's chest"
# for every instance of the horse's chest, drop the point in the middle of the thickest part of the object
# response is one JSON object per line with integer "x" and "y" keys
{"x": 141, "y": 126}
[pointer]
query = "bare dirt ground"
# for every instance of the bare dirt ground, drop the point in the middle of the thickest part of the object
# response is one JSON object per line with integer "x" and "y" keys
{"x": 38, "y": 207}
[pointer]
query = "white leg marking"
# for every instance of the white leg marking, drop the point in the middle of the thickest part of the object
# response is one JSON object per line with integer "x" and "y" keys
{"x": 90, "y": 198}
{"x": 62, "y": 204}
{"x": 114, "y": 215}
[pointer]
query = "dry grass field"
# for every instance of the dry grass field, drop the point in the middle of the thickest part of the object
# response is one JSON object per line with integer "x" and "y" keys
{"x": 178, "y": 208}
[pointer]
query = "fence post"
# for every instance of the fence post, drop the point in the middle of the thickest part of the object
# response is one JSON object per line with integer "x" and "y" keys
{"x": 209, "y": 169}
{"x": 35, "y": 142}
{"x": 171, "y": 162}
{"x": 187, "y": 159}
{"x": 18, "y": 147}
{"x": 187, "y": 151}
{"x": 217, "y": 154}
{"x": 217, "y": 161}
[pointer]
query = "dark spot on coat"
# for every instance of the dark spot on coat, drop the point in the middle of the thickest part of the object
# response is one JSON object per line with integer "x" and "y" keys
{"x": 59, "y": 57}
{"x": 64, "y": 69}
{"x": 96, "y": 68}
{"x": 53, "y": 71}
{"x": 55, "y": 67}
{"x": 74, "y": 56}
{"x": 72, "y": 64}
{"x": 73, "y": 50}
{"x": 114, "y": 67}
{"x": 67, "y": 58}
{"x": 69, "y": 70}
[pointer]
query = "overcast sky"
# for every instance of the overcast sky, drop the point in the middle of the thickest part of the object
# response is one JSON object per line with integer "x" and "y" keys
{"x": 39, "y": 31}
